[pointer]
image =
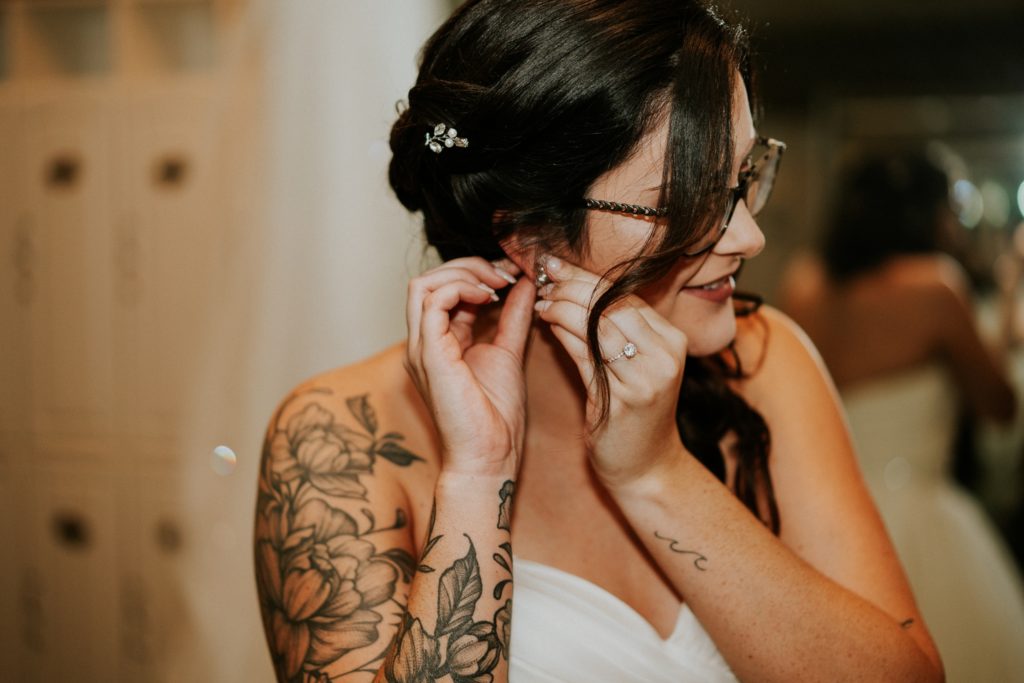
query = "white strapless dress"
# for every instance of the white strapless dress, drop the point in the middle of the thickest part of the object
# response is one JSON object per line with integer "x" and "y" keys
{"x": 566, "y": 629}
{"x": 963, "y": 577}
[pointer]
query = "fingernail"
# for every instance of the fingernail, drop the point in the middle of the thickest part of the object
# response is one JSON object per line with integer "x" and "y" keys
{"x": 494, "y": 295}
{"x": 546, "y": 289}
{"x": 505, "y": 275}
{"x": 552, "y": 263}
{"x": 541, "y": 306}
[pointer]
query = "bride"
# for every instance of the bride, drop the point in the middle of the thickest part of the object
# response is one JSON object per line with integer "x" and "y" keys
{"x": 585, "y": 414}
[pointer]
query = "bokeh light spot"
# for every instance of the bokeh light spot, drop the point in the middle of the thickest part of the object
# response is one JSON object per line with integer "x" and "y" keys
{"x": 970, "y": 202}
{"x": 997, "y": 203}
{"x": 223, "y": 461}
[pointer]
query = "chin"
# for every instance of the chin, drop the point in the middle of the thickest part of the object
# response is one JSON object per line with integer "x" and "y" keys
{"x": 710, "y": 335}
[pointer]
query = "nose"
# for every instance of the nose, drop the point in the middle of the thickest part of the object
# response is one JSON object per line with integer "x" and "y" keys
{"x": 743, "y": 238}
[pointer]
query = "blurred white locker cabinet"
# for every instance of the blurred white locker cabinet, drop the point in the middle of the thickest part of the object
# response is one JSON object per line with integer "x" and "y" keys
{"x": 73, "y": 570}
{"x": 163, "y": 232}
{"x": 67, "y": 165}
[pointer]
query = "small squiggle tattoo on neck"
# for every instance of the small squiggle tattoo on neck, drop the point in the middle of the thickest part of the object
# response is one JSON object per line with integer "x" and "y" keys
{"x": 700, "y": 562}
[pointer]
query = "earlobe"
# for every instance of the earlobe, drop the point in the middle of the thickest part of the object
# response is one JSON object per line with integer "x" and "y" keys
{"x": 523, "y": 254}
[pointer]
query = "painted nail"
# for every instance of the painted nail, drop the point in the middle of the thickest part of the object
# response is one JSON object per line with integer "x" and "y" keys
{"x": 546, "y": 289}
{"x": 541, "y": 306}
{"x": 494, "y": 295}
{"x": 552, "y": 263}
{"x": 505, "y": 275}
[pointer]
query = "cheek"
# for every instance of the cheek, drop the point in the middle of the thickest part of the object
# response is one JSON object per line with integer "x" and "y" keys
{"x": 708, "y": 329}
{"x": 613, "y": 239}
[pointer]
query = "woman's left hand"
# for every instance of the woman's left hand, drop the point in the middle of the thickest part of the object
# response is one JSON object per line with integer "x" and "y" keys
{"x": 640, "y": 432}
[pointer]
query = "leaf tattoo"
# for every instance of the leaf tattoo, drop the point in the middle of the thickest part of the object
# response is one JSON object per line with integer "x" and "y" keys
{"x": 505, "y": 495}
{"x": 471, "y": 649}
{"x": 361, "y": 409}
{"x": 458, "y": 593}
{"x": 389, "y": 450}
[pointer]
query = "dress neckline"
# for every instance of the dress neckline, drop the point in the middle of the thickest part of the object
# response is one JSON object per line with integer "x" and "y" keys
{"x": 599, "y": 593}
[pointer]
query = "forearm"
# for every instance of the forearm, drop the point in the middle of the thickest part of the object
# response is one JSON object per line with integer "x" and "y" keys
{"x": 460, "y": 601}
{"x": 773, "y": 616}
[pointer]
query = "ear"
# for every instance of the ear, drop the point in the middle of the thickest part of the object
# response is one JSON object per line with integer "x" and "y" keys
{"x": 522, "y": 252}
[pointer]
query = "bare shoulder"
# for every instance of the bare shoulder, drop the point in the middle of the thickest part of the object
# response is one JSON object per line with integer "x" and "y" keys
{"x": 777, "y": 356}
{"x": 374, "y": 397}
{"x": 359, "y": 431}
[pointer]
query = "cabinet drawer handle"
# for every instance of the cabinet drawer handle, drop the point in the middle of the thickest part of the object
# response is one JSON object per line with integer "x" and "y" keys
{"x": 64, "y": 171}
{"x": 171, "y": 171}
{"x": 72, "y": 530}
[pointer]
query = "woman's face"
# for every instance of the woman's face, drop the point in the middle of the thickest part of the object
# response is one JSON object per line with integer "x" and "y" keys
{"x": 696, "y": 296}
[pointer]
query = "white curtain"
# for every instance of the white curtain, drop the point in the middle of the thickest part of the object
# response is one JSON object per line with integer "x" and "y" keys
{"x": 313, "y": 261}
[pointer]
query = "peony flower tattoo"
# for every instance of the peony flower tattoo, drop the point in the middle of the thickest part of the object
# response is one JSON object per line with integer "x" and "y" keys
{"x": 319, "y": 574}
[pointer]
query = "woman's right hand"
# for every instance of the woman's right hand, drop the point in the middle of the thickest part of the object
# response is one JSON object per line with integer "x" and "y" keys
{"x": 475, "y": 390}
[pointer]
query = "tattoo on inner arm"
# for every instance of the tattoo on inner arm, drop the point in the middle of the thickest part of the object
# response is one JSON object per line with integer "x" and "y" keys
{"x": 700, "y": 561}
{"x": 464, "y": 650}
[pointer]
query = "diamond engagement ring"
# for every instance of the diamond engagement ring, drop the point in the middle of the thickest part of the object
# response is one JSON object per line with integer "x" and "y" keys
{"x": 629, "y": 351}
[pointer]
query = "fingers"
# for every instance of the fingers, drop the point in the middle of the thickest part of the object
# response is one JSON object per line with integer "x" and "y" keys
{"x": 568, "y": 301}
{"x": 516, "y": 319}
{"x": 476, "y": 271}
{"x": 567, "y": 304}
{"x": 572, "y": 317}
{"x": 578, "y": 351}
{"x": 436, "y": 320}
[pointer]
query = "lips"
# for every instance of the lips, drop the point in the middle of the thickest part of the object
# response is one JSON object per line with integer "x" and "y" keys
{"x": 717, "y": 290}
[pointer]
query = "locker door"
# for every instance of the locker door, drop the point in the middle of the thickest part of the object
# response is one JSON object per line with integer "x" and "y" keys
{"x": 13, "y": 605}
{"x": 155, "y": 619}
{"x": 168, "y": 224}
{"x": 17, "y": 274}
{"x": 67, "y": 179}
{"x": 73, "y": 571}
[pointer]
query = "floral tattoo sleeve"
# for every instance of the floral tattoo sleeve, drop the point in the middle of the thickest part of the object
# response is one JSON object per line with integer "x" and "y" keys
{"x": 325, "y": 585}
{"x": 461, "y": 648}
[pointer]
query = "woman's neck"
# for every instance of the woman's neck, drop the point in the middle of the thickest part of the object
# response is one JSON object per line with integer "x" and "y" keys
{"x": 555, "y": 395}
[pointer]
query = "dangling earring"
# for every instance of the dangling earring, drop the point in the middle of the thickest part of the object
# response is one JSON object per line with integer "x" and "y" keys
{"x": 542, "y": 274}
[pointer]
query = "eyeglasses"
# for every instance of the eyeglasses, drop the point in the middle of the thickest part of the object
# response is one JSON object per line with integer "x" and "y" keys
{"x": 754, "y": 186}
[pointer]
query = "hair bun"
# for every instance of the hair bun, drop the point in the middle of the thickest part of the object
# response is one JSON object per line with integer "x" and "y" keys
{"x": 404, "y": 170}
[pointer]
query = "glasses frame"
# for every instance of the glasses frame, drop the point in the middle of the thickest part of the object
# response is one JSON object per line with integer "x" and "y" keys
{"x": 737, "y": 193}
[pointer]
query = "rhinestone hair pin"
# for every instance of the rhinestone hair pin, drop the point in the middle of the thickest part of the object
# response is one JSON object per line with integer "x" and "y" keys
{"x": 444, "y": 137}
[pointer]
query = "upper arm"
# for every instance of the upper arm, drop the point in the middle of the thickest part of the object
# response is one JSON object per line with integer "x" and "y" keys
{"x": 333, "y": 548}
{"x": 985, "y": 385}
{"x": 827, "y": 515}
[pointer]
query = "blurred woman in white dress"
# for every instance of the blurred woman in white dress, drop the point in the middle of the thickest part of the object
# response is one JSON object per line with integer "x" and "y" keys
{"x": 892, "y": 318}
